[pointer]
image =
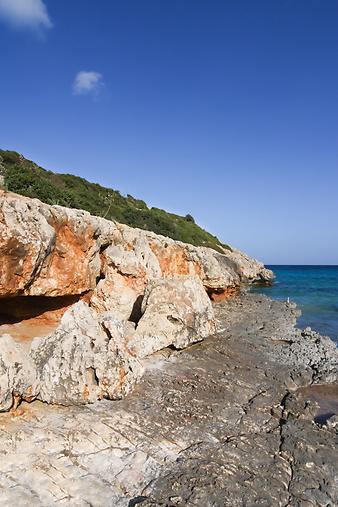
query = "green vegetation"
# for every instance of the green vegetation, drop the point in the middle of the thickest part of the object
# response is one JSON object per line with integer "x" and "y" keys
{"x": 26, "y": 178}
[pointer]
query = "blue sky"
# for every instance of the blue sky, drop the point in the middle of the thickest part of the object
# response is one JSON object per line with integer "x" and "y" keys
{"x": 223, "y": 109}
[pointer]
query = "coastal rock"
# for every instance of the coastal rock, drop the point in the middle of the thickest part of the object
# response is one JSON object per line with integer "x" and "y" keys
{"x": 92, "y": 281}
{"x": 84, "y": 359}
{"x": 317, "y": 353}
{"x": 55, "y": 251}
{"x": 248, "y": 269}
{"x": 114, "y": 293}
{"x": 176, "y": 312}
{"x": 215, "y": 424}
{"x": 26, "y": 239}
{"x": 18, "y": 378}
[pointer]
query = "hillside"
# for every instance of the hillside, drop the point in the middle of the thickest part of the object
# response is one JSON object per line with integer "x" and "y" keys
{"x": 24, "y": 177}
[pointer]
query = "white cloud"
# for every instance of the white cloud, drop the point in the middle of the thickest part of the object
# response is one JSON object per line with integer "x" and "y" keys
{"x": 25, "y": 13}
{"x": 87, "y": 82}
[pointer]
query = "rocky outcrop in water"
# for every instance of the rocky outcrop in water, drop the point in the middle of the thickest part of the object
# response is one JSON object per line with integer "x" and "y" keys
{"x": 108, "y": 294}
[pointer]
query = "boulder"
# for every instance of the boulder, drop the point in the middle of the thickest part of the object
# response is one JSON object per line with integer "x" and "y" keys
{"x": 85, "y": 359}
{"x": 176, "y": 312}
{"x": 114, "y": 293}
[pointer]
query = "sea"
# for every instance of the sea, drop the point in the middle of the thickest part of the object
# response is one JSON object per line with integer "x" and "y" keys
{"x": 314, "y": 289}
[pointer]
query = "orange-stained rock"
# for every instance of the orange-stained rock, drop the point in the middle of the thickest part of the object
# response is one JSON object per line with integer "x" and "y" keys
{"x": 82, "y": 298}
{"x": 25, "y": 317}
{"x": 55, "y": 251}
{"x": 69, "y": 268}
{"x": 25, "y": 240}
{"x": 172, "y": 259}
{"x": 223, "y": 294}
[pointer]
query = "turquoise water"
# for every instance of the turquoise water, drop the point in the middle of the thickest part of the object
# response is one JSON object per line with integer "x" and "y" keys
{"x": 314, "y": 289}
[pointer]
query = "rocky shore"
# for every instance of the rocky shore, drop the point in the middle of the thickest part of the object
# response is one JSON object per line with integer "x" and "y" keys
{"x": 138, "y": 370}
{"x": 83, "y": 299}
{"x": 225, "y": 422}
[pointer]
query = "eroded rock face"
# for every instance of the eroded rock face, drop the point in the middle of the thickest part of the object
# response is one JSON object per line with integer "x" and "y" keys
{"x": 123, "y": 278}
{"x": 55, "y": 251}
{"x": 177, "y": 312}
{"x": 18, "y": 377}
{"x": 248, "y": 269}
{"x": 26, "y": 238}
{"x": 85, "y": 359}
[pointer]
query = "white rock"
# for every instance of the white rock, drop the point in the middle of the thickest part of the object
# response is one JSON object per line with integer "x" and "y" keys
{"x": 177, "y": 311}
{"x": 84, "y": 359}
{"x": 18, "y": 376}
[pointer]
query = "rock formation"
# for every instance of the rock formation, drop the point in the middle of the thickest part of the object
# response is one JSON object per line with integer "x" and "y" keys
{"x": 246, "y": 417}
{"x": 110, "y": 294}
{"x": 234, "y": 420}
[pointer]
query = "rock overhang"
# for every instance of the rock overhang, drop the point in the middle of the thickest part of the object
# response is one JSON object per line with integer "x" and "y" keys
{"x": 153, "y": 289}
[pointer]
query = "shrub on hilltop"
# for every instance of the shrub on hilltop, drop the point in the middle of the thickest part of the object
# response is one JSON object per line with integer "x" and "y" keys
{"x": 27, "y": 178}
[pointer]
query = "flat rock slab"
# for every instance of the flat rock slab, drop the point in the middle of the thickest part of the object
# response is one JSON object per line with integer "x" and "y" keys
{"x": 221, "y": 423}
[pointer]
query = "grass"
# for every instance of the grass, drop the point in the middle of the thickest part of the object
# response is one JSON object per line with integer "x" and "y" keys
{"x": 24, "y": 177}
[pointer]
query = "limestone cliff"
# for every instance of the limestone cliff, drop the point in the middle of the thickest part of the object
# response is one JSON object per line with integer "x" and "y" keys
{"x": 84, "y": 298}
